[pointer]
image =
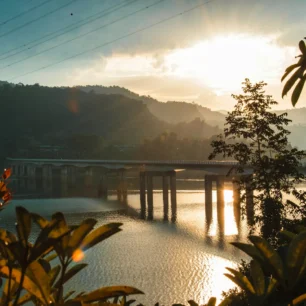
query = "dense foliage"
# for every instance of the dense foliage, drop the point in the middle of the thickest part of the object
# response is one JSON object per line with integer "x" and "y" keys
{"x": 257, "y": 138}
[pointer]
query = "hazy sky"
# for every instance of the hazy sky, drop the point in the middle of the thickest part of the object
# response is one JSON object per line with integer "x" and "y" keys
{"x": 201, "y": 56}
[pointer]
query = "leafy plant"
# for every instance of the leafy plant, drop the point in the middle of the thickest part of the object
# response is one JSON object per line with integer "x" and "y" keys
{"x": 272, "y": 270}
{"x": 27, "y": 270}
{"x": 299, "y": 75}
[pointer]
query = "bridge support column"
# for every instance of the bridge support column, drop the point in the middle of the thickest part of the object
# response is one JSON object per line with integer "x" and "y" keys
{"x": 220, "y": 199}
{"x": 103, "y": 188}
{"x": 71, "y": 176}
{"x": 89, "y": 177}
{"x": 142, "y": 188}
{"x": 249, "y": 202}
{"x": 122, "y": 187}
{"x": 64, "y": 181}
{"x": 208, "y": 198}
{"x": 173, "y": 196}
{"x": 150, "y": 196}
{"x": 236, "y": 200}
{"x": 47, "y": 178}
{"x": 166, "y": 196}
{"x": 32, "y": 177}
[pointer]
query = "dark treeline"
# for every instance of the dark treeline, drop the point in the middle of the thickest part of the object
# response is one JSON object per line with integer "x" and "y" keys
{"x": 166, "y": 146}
{"x": 70, "y": 123}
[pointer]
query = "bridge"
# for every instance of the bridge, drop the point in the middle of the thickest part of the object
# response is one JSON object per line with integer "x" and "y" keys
{"x": 213, "y": 171}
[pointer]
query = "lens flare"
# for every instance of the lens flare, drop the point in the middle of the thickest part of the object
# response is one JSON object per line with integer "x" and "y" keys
{"x": 78, "y": 255}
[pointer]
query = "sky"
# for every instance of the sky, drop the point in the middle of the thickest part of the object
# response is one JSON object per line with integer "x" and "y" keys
{"x": 173, "y": 50}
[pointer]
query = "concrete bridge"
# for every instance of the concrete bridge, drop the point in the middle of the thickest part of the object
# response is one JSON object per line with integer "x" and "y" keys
{"x": 213, "y": 171}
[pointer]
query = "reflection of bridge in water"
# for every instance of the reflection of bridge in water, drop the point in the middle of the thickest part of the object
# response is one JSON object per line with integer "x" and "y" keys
{"x": 42, "y": 171}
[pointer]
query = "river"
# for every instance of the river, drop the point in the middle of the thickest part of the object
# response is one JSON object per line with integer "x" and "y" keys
{"x": 170, "y": 262}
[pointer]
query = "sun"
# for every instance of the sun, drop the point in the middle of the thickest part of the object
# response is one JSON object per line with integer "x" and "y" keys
{"x": 223, "y": 62}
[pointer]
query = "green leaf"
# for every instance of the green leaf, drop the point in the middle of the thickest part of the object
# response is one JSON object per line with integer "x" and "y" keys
{"x": 69, "y": 274}
{"x": 292, "y": 80}
{"x": 241, "y": 280}
{"x": 296, "y": 257}
{"x": 53, "y": 274}
{"x": 272, "y": 285}
{"x": 299, "y": 299}
{"x": 287, "y": 234}
{"x": 302, "y": 47}
{"x": 25, "y": 299}
{"x": 297, "y": 91}
{"x": 108, "y": 292}
{"x": 51, "y": 257}
{"x": 212, "y": 301}
{"x": 39, "y": 276}
{"x": 249, "y": 250}
{"x": 28, "y": 284}
{"x": 192, "y": 303}
{"x": 24, "y": 223}
{"x": 226, "y": 302}
{"x": 289, "y": 69}
{"x": 272, "y": 259}
{"x": 60, "y": 230}
{"x": 80, "y": 233}
{"x": 100, "y": 234}
{"x": 39, "y": 220}
{"x": 258, "y": 278}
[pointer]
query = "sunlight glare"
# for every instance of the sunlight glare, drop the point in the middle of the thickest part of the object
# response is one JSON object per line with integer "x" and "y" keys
{"x": 223, "y": 62}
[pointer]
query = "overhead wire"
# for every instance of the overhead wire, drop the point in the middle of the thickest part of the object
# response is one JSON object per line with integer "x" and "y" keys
{"x": 71, "y": 27}
{"x": 36, "y": 19}
{"x": 24, "y": 12}
{"x": 114, "y": 40}
{"x": 80, "y": 36}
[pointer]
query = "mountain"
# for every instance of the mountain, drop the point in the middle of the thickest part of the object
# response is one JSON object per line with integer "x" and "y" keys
{"x": 171, "y": 111}
{"x": 41, "y": 115}
{"x": 176, "y": 112}
{"x": 297, "y": 115}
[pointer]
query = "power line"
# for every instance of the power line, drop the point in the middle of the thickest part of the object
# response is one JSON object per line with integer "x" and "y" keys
{"x": 25, "y": 12}
{"x": 115, "y": 40}
{"x": 80, "y": 36}
{"x": 104, "y": 13}
{"x": 38, "y": 18}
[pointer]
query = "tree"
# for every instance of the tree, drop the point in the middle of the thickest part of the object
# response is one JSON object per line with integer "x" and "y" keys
{"x": 256, "y": 137}
{"x": 299, "y": 74}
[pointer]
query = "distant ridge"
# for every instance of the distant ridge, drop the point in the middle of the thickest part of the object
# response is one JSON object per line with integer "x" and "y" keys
{"x": 172, "y": 111}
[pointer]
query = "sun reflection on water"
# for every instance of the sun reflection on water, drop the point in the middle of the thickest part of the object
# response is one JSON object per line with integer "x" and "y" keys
{"x": 230, "y": 224}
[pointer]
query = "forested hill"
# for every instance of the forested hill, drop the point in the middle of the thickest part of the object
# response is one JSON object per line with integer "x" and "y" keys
{"x": 171, "y": 112}
{"x": 38, "y": 114}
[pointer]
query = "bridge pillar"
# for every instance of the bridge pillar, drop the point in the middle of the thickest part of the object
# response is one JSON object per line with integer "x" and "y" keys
{"x": 88, "y": 176}
{"x": 150, "y": 196}
{"x": 103, "y": 188}
{"x": 249, "y": 202}
{"x": 21, "y": 170}
{"x": 32, "y": 177}
{"x": 236, "y": 200}
{"x": 122, "y": 187}
{"x": 47, "y": 177}
{"x": 220, "y": 199}
{"x": 142, "y": 189}
{"x": 71, "y": 176}
{"x": 173, "y": 196}
{"x": 166, "y": 196}
{"x": 208, "y": 197}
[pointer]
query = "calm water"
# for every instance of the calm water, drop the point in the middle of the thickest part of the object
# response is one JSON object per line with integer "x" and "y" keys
{"x": 170, "y": 262}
